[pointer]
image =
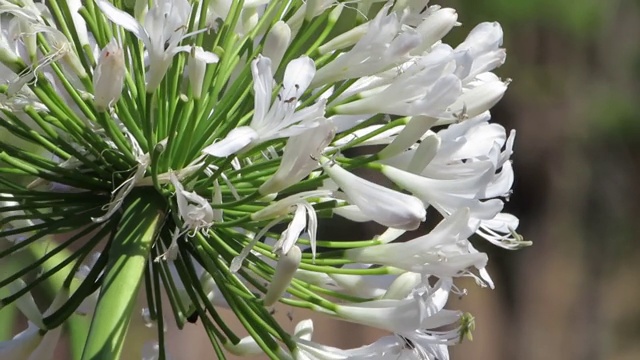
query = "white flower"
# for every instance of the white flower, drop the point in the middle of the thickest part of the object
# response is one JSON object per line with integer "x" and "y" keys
{"x": 276, "y": 43}
{"x": 21, "y": 345}
{"x": 286, "y": 267}
{"x": 108, "y": 77}
{"x": 422, "y": 310}
{"x": 480, "y": 51}
{"x": 164, "y": 28}
{"x": 464, "y": 165}
{"x": 383, "y": 46}
{"x": 437, "y": 23}
{"x": 425, "y": 86}
{"x": 479, "y": 96}
{"x": 382, "y": 205}
{"x": 445, "y": 251}
{"x": 304, "y": 216}
{"x": 299, "y": 157}
{"x": 280, "y": 119}
{"x": 198, "y": 60}
{"x": 195, "y": 211}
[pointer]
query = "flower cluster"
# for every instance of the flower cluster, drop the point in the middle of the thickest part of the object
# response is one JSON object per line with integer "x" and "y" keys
{"x": 191, "y": 150}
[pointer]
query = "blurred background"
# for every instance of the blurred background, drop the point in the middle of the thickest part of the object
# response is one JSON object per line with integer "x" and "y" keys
{"x": 575, "y": 103}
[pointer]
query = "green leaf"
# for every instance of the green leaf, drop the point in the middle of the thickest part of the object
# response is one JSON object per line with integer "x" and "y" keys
{"x": 128, "y": 254}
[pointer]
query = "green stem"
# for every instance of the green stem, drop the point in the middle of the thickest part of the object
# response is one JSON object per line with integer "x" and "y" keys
{"x": 143, "y": 214}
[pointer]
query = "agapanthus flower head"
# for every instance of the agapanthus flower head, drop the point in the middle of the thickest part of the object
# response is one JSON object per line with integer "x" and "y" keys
{"x": 193, "y": 150}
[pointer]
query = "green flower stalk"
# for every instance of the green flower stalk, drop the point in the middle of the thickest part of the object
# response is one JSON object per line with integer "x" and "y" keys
{"x": 162, "y": 142}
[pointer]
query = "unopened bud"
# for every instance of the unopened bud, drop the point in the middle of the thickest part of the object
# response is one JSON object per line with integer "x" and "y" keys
{"x": 287, "y": 265}
{"x": 198, "y": 60}
{"x": 435, "y": 27}
{"x": 108, "y": 78}
{"x": 276, "y": 43}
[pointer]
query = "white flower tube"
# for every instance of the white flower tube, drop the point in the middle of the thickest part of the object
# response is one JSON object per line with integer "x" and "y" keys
{"x": 425, "y": 86}
{"x": 487, "y": 91}
{"x": 21, "y": 345}
{"x": 198, "y": 60}
{"x": 285, "y": 269}
{"x": 423, "y": 310}
{"x": 46, "y": 348}
{"x": 276, "y": 44}
{"x": 434, "y": 27}
{"x": 26, "y": 304}
{"x": 108, "y": 77}
{"x": 480, "y": 52}
{"x": 383, "y": 46}
{"x": 383, "y": 205}
{"x": 278, "y": 119}
{"x": 300, "y": 157}
{"x": 445, "y": 251}
{"x": 446, "y": 194}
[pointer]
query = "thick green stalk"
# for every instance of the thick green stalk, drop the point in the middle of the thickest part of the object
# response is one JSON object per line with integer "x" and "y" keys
{"x": 143, "y": 213}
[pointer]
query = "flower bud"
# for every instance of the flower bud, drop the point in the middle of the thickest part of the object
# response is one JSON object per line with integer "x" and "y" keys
{"x": 287, "y": 265}
{"x": 108, "y": 77}
{"x": 382, "y": 205}
{"x": 198, "y": 60}
{"x": 276, "y": 43}
{"x": 434, "y": 27}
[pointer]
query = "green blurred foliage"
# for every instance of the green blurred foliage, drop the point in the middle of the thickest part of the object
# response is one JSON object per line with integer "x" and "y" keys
{"x": 582, "y": 18}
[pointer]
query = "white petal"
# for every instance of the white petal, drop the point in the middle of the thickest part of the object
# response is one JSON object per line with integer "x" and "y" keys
{"x": 293, "y": 231}
{"x": 383, "y": 205}
{"x": 123, "y": 19}
{"x": 47, "y": 346}
{"x": 263, "y": 87}
{"x": 285, "y": 269}
{"x": 237, "y": 140}
{"x": 22, "y": 344}
{"x": 298, "y": 76}
{"x": 300, "y": 157}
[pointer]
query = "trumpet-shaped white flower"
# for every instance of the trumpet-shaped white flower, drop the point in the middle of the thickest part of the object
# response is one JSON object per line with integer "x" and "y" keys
{"x": 422, "y": 310}
{"x": 294, "y": 166}
{"x": 198, "y": 60}
{"x": 405, "y": 94}
{"x": 285, "y": 270}
{"x": 480, "y": 51}
{"x": 445, "y": 251}
{"x": 464, "y": 165}
{"x": 21, "y": 345}
{"x": 277, "y": 120}
{"x": 195, "y": 211}
{"x": 384, "y": 45}
{"x": 380, "y": 204}
{"x": 164, "y": 28}
{"x": 276, "y": 44}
